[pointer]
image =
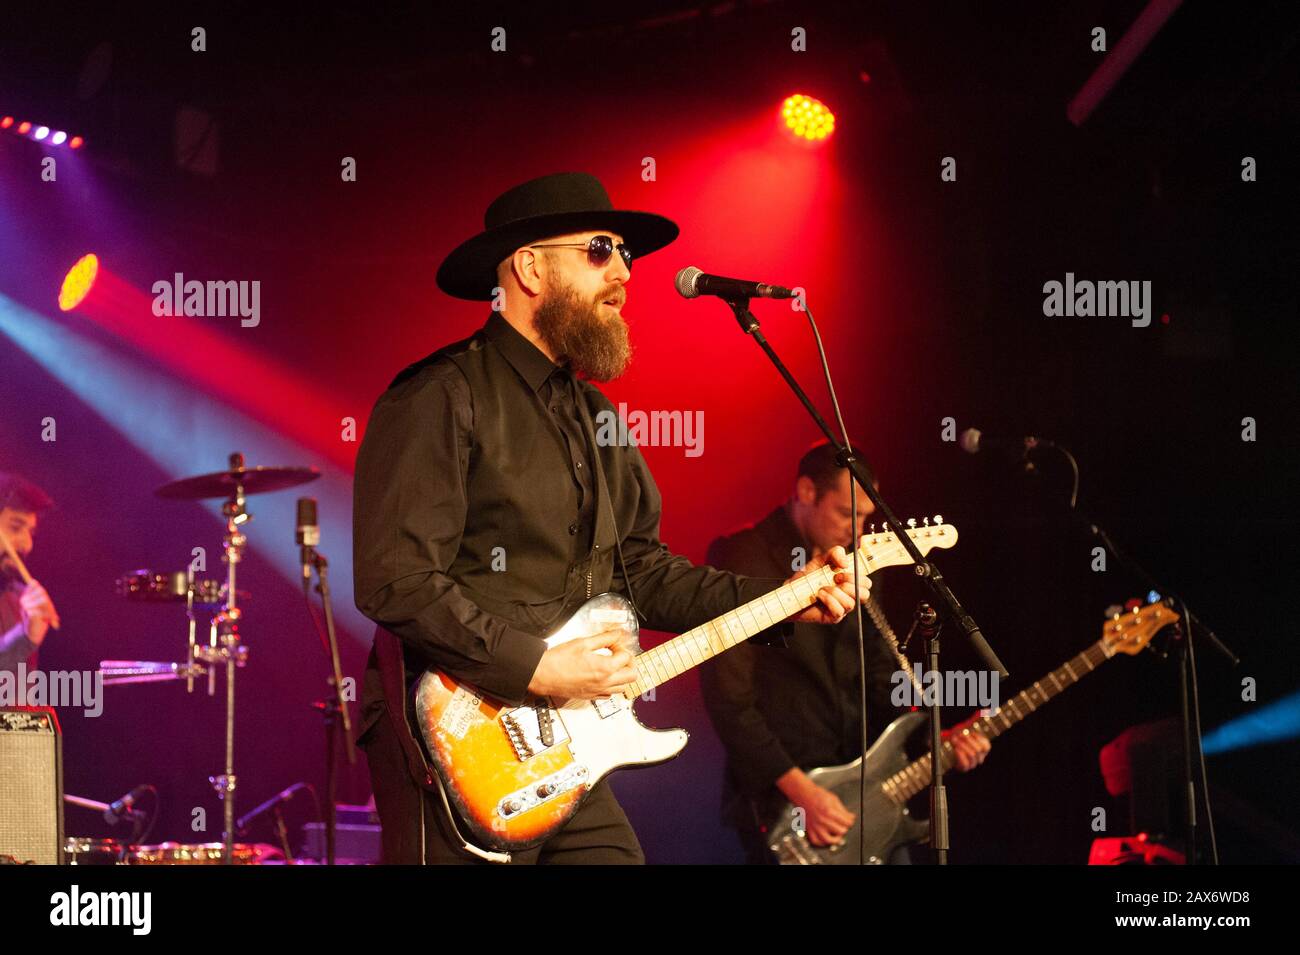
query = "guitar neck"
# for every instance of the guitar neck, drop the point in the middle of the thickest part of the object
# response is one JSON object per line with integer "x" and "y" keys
{"x": 906, "y": 783}
{"x": 674, "y": 657}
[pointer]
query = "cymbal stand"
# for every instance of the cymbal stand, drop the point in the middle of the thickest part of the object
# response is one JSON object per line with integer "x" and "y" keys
{"x": 230, "y": 652}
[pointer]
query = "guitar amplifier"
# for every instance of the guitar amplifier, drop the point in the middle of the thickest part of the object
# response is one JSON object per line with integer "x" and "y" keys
{"x": 355, "y": 843}
{"x": 31, "y": 786}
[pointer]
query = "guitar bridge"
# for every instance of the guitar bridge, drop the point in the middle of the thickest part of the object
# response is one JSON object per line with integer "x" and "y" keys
{"x": 794, "y": 850}
{"x": 532, "y": 730}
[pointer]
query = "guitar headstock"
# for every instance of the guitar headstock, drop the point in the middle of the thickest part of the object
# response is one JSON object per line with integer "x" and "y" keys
{"x": 883, "y": 548}
{"x": 1129, "y": 631}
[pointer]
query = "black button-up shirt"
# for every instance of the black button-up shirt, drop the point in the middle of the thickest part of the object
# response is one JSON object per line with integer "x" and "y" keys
{"x": 558, "y": 393}
{"x": 479, "y": 525}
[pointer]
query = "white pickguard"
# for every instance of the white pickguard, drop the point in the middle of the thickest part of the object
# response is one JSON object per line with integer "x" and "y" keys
{"x": 604, "y": 743}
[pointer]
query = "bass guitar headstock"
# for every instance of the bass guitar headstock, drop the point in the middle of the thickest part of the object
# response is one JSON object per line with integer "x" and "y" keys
{"x": 1129, "y": 630}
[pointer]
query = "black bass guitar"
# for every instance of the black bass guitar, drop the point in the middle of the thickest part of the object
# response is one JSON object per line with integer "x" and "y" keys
{"x": 892, "y": 781}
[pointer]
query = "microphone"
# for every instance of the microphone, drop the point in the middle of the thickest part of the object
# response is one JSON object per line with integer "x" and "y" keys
{"x": 282, "y": 796}
{"x": 973, "y": 441}
{"x": 122, "y": 807}
{"x": 692, "y": 283}
{"x": 307, "y": 534}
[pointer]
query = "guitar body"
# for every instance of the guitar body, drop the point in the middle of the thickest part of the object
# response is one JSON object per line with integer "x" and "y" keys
{"x": 515, "y": 774}
{"x": 513, "y": 779}
{"x": 888, "y": 824}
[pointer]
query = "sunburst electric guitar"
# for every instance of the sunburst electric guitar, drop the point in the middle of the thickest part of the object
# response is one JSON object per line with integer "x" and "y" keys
{"x": 515, "y": 774}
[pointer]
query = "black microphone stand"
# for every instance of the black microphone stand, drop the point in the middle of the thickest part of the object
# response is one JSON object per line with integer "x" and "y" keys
{"x": 333, "y": 708}
{"x": 925, "y": 569}
{"x": 1188, "y": 691}
{"x": 928, "y": 626}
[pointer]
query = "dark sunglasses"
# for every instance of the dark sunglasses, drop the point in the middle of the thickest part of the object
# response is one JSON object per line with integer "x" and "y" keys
{"x": 599, "y": 249}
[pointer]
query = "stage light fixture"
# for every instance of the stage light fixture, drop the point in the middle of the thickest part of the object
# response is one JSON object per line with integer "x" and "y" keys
{"x": 41, "y": 132}
{"x": 807, "y": 118}
{"x": 78, "y": 282}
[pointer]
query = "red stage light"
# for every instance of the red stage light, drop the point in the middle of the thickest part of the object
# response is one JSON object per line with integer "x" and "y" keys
{"x": 807, "y": 118}
{"x": 75, "y": 142}
{"x": 6, "y": 122}
{"x": 23, "y": 127}
{"x": 78, "y": 282}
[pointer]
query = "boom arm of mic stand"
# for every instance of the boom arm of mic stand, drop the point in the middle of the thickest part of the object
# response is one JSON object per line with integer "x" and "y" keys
{"x": 926, "y": 570}
{"x": 1152, "y": 584}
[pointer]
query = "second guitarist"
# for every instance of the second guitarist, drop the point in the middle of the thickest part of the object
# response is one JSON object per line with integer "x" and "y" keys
{"x": 781, "y": 711}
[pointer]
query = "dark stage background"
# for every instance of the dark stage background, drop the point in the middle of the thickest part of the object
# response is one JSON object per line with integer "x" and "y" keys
{"x": 929, "y": 294}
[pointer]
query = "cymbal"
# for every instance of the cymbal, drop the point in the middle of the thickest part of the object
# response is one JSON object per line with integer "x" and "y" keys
{"x": 256, "y": 480}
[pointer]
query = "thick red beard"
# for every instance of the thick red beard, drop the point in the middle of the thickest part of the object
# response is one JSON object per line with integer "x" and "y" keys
{"x": 596, "y": 346}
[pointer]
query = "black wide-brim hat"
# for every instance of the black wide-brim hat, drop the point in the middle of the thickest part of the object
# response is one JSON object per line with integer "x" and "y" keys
{"x": 549, "y": 206}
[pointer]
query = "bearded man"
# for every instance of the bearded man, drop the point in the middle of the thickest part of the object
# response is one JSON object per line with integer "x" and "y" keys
{"x": 486, "y": 512}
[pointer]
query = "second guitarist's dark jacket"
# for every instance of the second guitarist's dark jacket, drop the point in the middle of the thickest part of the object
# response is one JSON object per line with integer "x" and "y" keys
{"x": 777, "y": 708}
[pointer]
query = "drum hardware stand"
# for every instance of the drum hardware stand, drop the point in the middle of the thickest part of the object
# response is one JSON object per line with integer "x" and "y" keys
{"x": 223, "y": 646}
{"x": 146, "y": 671}
{"x": 231, "y": 651}
{"x": 189, "y": 616}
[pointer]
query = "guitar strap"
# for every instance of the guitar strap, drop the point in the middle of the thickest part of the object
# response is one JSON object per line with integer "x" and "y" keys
{"x": 602, "y": 492}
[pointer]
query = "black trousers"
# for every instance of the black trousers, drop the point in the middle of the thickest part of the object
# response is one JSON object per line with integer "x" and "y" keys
{"x": 415, "y": 828}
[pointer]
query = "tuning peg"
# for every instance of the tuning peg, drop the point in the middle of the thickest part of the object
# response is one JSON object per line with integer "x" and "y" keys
{"x": 911, "y": 522}
{"x": 938, "y": 519}
{"x": 925, "y": 521}
{"x": 1113, "y": 612}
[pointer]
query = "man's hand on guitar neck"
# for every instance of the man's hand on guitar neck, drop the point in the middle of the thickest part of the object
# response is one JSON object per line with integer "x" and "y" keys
{"x": 969, "y": 746}
{"x": 585, "y": 668}
{"x": 833, "y": 602}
